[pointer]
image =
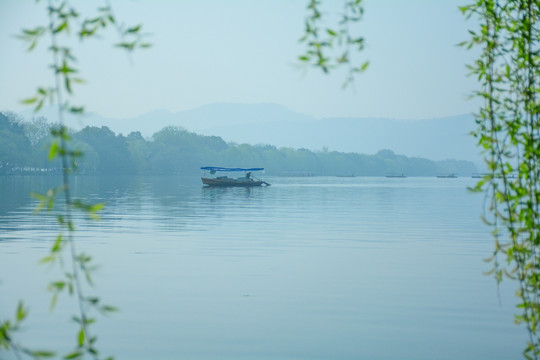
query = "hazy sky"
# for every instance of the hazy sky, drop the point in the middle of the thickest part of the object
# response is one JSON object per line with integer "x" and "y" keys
{"x": 245, "y": 51}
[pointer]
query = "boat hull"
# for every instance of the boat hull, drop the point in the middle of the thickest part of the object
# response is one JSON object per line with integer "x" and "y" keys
{"x": 232, "y": 182}
{"x": 447, "y": 176}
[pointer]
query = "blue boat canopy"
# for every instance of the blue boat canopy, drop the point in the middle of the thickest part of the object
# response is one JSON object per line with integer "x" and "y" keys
{"x": 217, "y": 168}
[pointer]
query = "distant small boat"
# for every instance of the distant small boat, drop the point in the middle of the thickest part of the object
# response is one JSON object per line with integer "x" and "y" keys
{"x": 345, "y": 175}
{"x": 478, "y": 175}
{"x": 248, "y": 180}
{"x": 497, "y": 176}
{"x": 396, "y": 175}
{"x": 447, "y": 176}
{"x": 297, "y": 174}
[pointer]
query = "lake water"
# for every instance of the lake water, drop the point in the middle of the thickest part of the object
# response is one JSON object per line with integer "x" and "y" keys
{"x": 308, "y": 268}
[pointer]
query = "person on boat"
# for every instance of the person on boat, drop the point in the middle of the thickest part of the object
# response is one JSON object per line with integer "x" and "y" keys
{"x": 248, "y": 175}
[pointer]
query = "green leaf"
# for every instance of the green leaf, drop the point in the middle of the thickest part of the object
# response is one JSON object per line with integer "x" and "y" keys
{"x": 43, "y": 354}
{"x": 21, "y": 312}
{"x": 74, "y": 355}
{"x": 93, "y": 209}
{"x": 53, "y": 150}
{"x": 42, "y": 201}
{"x": 32, "y": 45}
{"x": 29, "y": 100}
{"x": 47, "y": 259}
{"x": 97, "y": 207}
{"x": 364, "y": 66}
{"x": 88, "y": 277}
{"x": 61, "y": 27}
{"x": 92, "y": 300}
{"x": 67, "y": 82}
{"x": 76, "y": 110}
{"x": 57, "y": 285}
{"x": 39, "y": 106}
{"x": 36, "y": 31}
{"x": 53, "y": 301}
{"x": 80, "y": 337}
{"x": 342, "y": 59}
{"x": 133, "y": 29}
{"x": 57, "y": 244}
{"x": 126, "y": 45}
{"x": 108, "y": 308}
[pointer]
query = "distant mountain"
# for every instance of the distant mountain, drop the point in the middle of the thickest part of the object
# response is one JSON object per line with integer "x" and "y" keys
{"x": 436, "y": 139}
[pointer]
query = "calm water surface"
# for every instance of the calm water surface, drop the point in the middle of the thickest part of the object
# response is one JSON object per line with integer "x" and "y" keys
{"x": 309, "y": 268}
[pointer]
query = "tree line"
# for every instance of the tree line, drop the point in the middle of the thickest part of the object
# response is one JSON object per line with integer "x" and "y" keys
{"x": 174, "y": 150}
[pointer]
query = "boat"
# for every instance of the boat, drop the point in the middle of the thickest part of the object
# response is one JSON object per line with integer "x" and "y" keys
{"x": 297, "y": 174}
{"x": 447, "y": 176}
{"x": 497, "y": 176}
{"x": 396, "y": 175}
{"x": 248, "y": 180}
{"x": 479, "y": 175}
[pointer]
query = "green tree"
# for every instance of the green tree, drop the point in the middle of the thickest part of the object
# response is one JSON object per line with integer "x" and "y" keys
{"x": 112, "y": 150}
{"x": 329, "y": 48}
{"x": 139, "y": 151}
{"x": 63, "y": 18}
{"x": 13, "y": 142}
{"x": 508, "y": 131}
{"x": 508, "y": 70}
{"x": 173, "y": 151}
{"x": 36, "y": 129}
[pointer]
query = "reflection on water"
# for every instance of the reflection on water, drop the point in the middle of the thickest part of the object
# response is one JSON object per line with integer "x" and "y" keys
{"x": 308, "y": 268}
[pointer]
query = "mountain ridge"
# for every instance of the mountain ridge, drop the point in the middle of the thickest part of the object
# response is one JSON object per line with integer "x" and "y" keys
{"x": 268, "y": 123}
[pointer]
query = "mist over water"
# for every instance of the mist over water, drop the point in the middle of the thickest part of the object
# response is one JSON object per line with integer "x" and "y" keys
{"x": 308, "y": 268}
